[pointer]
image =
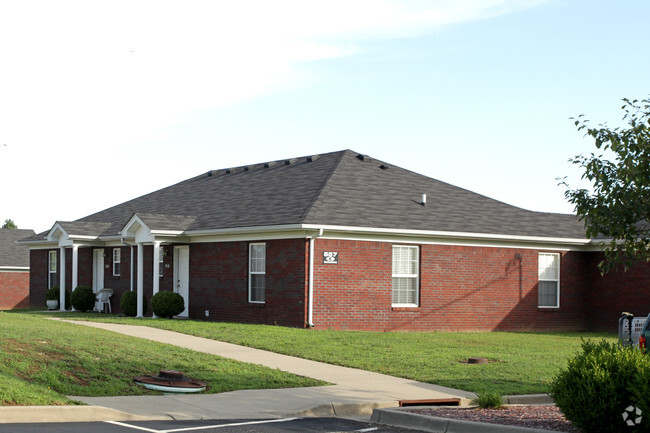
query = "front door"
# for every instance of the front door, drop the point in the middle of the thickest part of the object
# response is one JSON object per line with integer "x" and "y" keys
{"x": 98, "y": 270}
{"x": 182, "y": 275}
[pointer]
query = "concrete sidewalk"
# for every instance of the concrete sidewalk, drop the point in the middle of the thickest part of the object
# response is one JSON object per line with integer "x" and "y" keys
{"x": 353, "y": 391}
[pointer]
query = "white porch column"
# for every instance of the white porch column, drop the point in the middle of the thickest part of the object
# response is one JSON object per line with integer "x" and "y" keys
{"x": 156, "y": 270}
{"x": 75, "y": 266}
{"x": 131, "y": 269}
{"x": 140, "y": 280}
{"x": 62, "y": 279}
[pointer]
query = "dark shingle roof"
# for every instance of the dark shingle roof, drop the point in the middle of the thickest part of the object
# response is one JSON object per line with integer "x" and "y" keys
{"x": 340, "y": 188}
{"x": 11, "y": 253}
{"x": 82, "y": 228}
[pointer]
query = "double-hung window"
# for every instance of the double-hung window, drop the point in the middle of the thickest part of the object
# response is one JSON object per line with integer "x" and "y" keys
{"x": 52, "y": 266}
{"x": 549, "y": 280}
{"x": 257, "y": 273}
{"x": 117, "y": 261}
{"x": 405, "y": 276}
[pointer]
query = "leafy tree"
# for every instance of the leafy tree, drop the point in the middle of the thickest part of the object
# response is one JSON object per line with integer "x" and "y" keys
{"x": 9, "y": 224}
{"x": 618, "y": 208}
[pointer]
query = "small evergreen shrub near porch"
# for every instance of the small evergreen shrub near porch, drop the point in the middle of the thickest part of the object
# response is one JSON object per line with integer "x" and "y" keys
{"x": 83, "y": 298}
{"x": 129, "y": 304}
{"x": 606, "y": 388}
{"x": 167, "y": 304}
{"x": 54, "y": 293}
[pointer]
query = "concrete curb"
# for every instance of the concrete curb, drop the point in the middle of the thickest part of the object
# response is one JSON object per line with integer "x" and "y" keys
{"x": 401, "y": 418}
{"x": 37, "y": 414}
{"x": 344, "y": 409}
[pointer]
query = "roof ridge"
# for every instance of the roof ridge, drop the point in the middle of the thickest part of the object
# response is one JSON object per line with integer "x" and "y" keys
{"x": 310, "y": 205}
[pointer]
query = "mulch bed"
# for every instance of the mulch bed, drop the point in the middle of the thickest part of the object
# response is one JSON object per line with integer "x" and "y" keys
{"x": 547, "y": 417}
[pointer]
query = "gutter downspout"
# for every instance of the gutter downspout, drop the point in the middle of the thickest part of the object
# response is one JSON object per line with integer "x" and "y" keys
{"x": 310, "y": 296}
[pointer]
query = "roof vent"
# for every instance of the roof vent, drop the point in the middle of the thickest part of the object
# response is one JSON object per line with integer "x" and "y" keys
{"x": 363, "y": 157}
{"x": 228, "y": 171}
{"x": 313, "y": 158}
{"x": 269, "y": 164}
{"x": 424, "y": 200}
{"x": 290, "y": 161}
{"x": 383, "y": 167}
{"x": 246, "y": 168}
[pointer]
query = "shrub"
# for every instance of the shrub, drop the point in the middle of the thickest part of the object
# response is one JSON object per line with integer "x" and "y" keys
{"x": 129, "y": 304}
{"x": 488, "y": 400}
{"x": 167, "y": 304}
{"x": 53, "y": 294}
{"x": 602, "y": 388}
{"x": 83, "y": 298}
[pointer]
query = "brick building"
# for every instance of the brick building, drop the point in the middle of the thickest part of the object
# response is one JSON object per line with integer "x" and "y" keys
{"x": 14, "y": 269}
{"x": 342, "y": 240}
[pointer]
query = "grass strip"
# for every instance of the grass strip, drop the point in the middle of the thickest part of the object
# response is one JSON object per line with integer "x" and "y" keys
{"x": 42, "y": 361}
{"x": 519, "y": 363}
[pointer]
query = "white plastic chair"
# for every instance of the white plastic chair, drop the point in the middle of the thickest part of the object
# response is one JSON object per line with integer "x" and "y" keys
{"x": 103, "y": 298}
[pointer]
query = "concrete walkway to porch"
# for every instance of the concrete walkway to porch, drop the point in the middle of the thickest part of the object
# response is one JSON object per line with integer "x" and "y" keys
{"x": 355, "y": 392}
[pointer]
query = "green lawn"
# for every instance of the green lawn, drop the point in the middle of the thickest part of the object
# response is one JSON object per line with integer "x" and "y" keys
{"x": 520, "y": 363}
{"x": 42, "y": 361}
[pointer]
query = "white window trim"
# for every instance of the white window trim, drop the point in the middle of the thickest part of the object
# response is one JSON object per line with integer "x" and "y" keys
{"x": 251, "y": 273}
{"x": 415, "y": 276}
{"x": 161, "y": 261}
{"x": 117, "y": 262}
{"x": 49, "y": 267}
{"x": 557, "y": 280}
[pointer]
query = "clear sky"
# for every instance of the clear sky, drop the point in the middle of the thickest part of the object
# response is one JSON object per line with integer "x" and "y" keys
{"x": 104, "y": 101}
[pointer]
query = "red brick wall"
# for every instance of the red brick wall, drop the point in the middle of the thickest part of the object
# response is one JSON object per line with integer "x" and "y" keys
{"x": 14, "y": 290}
{"x": 616, "y": 292}
{"x": 461, "y": 288}
{"x": 37, "y": 277}
{"x": 219, "y": 282}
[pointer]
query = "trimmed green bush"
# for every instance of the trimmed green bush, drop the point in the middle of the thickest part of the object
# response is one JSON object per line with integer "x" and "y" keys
{"x": 53, "y": 294}
{"x": 83, "y": 298}
{"x": 129, "y": 304}
{"x": 167, "y": 304}
{"x": 605, "y": 388}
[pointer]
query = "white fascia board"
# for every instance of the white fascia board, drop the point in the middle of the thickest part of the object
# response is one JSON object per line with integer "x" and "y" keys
{"x": 43, "y": 246}
{"x": 446, "y": 241}
{"x": 38, "y": 244}
{"x": 167, "y": 232}
{"x": 449, "y": 238}
{"x": 14, "y": 268}
{"x": 432, "y": 233}
{"x": 383, "y": 234}
{"x": 259, "y": 236}
{"x": 83, "y": 238}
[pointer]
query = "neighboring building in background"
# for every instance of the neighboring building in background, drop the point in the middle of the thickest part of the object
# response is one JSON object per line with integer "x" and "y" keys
{"x": 341, "y": 240}
{"x": 14, "y": 269}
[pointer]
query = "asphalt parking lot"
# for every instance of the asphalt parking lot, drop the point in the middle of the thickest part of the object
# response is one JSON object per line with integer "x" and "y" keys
{"x": 284, "y": 425}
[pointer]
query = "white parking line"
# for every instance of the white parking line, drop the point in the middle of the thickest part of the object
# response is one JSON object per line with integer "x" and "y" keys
{"x": 363, "y": 430}
{"x": 235, "y": 424}
{"x": 134, "y": 427}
